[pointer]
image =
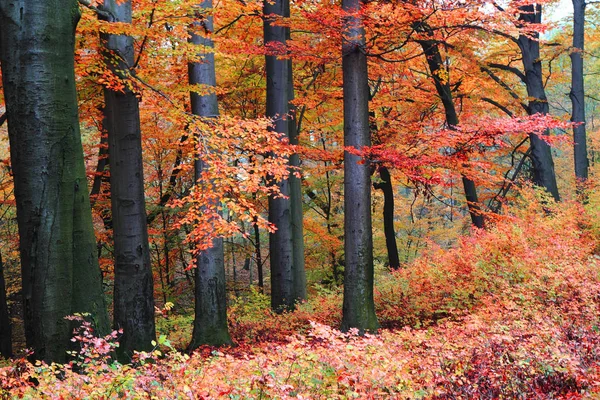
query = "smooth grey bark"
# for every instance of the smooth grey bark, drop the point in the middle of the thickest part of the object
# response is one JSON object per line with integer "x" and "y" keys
{"x": 133, "y": 293}
{"x": 577, "y": 94}
{"x": 5, "y": 324}
{"x": 435, "y": 63}
{"x": 358, "y": 307}
{"x": 285, "y": 278}
{"x": 210, "y": 321}
{"x": 296, "y": 199}
{"x": 59, "y": 264}
{"x": 541, "y": 154}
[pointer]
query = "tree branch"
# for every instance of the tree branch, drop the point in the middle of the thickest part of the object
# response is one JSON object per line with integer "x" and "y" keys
{"x": 102, "y": 13}
{"x": 484, "y": 29}
{"x": 168, "y": 194}
{"x": 500, "y": 82}
{"x": 498, "y": 105}
{"x": 508, "y": 68}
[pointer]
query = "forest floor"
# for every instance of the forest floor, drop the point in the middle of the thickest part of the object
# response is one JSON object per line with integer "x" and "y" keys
{"x": 513, "y": 312}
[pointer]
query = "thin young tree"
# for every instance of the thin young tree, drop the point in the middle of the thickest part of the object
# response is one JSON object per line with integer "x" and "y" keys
{"x": 59, "y": 264}
{"x": 577, "y": 94}
{"x": 358, "y": 306}
{"x": 287, "y": 277}
{"x": 133, "y": 294}
{"x": 210, "y": 320}
{"x": 5, "y": 324}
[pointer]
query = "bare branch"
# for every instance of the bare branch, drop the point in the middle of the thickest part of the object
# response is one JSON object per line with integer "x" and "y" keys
{"x": 498, "y": 105}
{"x": 508, "y": 68}
{"x": 500, "y": 82}
{"x": 102, "y": 13}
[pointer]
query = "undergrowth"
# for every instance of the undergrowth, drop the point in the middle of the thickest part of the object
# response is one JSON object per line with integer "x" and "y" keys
{"x": 511, "y": 312}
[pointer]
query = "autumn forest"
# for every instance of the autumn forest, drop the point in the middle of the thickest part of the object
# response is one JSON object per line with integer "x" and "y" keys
{"x": 250, "y": 199}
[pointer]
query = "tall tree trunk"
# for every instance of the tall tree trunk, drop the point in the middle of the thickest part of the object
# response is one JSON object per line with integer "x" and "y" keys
{"x": 284, "y": 285}
{"x": 5, "y": 325}
{"x": 435, "y": 62}
{"x": 541, "y": 154}
{"x": 210, "y": 322}
{"x": 388, "y": 216}
{"x": 358, "y": 307}
{"x": 133, "y": 295}
{"x": 296, "y": 199}
{"x": 577, "y": 94}
{"x": 59, "y": 264}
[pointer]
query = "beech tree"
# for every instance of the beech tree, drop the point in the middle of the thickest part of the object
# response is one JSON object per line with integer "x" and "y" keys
{"x": 541, "y": 153}
{"x": 358, "y": 306}
{"x": 444, "y": 90}
{"x": 59, "y": 265}
{"x": 210, "y": 319}
{"x": 577, "y": 94}
{"x": 296, "y": 197}
{"x": 133, "y": 294}
{"x": 287, "y": 272}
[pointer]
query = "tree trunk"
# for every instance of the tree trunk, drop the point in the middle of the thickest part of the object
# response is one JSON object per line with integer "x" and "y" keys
{"x": 210, "y": 322}
{"x": 133, "y": 295}
{"x": 435, "y": 62}
{"x": 577, "y": 94}
{"x": 296, "y": 199}
{"x": 101, "y": 168}
{"x": 258, "y": 255}
{"x": 541, "y": 154}
{"x": 59, "y": 264}
{"x": 385, "y": 185}
{"x": 359, "y": 307}
{"x": 388, "y": 216}
{"x": 5, "y": 325}
{"x": 284, "y": 288}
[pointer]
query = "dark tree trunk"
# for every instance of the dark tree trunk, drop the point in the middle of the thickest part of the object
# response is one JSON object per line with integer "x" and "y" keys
{"x": 133, "y": 298}
{"x": 388, "y": 216}
{"x": 435, "y": 62}
{"x": 210, "y": 322}
{"x": 5, "y": 325}
{"x": 258, "y": 256}
{"x": 59, "y": 264}
{"x": 385, "y": 185}
{"x": 284, "y": 274}
{"x": 359, "y": 307}
{"x": 577, "y": 94}
{"x": 541, "y": 154}
{"x": 101, "y": 167}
